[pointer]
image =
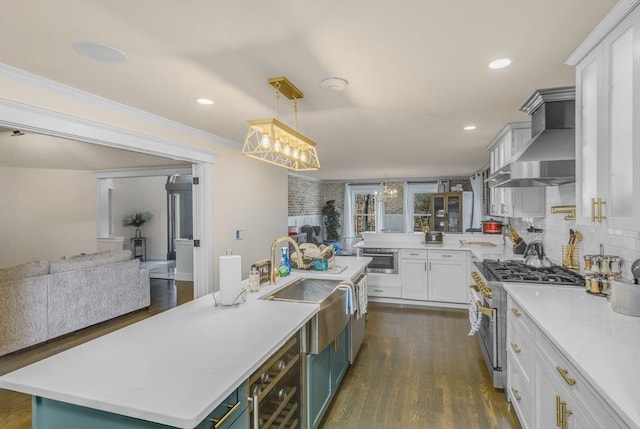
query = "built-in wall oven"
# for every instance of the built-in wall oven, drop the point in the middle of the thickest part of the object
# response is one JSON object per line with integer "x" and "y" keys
{"x": 383, "y": 260}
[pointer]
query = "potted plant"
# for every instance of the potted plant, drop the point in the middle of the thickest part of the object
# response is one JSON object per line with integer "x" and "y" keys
{"x": 331, "y": 221}
{"x": 137, "y": 219}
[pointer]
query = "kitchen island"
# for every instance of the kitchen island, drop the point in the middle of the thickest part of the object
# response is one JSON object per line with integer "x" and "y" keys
{"x": 580, "y": 334}
{"x": 176, "y": 367}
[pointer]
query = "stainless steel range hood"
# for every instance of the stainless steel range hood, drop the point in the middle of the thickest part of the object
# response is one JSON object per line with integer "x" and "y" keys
{"x": 548, "y": 159}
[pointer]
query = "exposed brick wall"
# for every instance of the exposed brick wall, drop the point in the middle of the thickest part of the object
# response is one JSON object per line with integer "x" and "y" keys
{"x": 335, "y": 191}
{"x": 395, "y": 204}
{"x": 305, "y": 196}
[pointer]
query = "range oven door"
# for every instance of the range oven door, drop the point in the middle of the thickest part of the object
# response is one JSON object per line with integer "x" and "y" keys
{"x": 488, "y": 333}
{"x": 383, "y": 261}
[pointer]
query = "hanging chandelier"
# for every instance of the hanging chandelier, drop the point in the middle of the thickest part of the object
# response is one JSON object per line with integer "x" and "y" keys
{"x": 388, "y": 193}
{"x": 272, "y": 141}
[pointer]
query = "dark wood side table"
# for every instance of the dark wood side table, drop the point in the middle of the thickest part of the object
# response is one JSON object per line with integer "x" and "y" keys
{"x": 139, "y": 247}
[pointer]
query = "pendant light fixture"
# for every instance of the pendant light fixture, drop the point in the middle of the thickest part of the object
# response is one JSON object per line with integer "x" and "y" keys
{"x": 272, "y": 141}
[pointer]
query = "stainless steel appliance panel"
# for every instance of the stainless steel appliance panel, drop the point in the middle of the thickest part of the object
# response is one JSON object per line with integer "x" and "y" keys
{"x": 383, "y": 260}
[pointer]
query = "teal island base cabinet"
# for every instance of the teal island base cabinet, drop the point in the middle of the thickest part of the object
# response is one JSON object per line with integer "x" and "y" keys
{"x": 51, "y": 414}
{"x": 325, "y": 372}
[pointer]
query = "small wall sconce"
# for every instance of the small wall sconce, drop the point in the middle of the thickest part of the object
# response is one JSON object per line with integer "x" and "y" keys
{"x": 570, "y": 211}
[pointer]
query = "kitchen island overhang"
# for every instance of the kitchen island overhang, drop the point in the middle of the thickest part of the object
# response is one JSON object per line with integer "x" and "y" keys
{"x": 176, "y": 367}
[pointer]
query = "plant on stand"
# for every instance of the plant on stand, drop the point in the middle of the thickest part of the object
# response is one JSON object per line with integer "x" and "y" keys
{"x": 331, "y": 221}
{"x": 137, "y": 219}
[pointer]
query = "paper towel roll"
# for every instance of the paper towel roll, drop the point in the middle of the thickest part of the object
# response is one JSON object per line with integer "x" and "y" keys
{"x": 230, "y": 278}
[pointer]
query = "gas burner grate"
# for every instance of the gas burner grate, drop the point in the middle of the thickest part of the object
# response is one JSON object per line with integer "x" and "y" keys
{"x": 517, "y": 271}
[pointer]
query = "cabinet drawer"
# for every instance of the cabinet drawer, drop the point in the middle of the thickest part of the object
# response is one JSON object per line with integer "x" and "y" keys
{"x": 384, "y": 291}
{"x": 225, "y": 414}
{"x": 520, "y": 392}
{"x": 520, "y": 346}
{"x": 575, "y": 383}
{"x": 436, "y": 255}
{"x": 519, "y": 317}
{"x": 413, "y": 254}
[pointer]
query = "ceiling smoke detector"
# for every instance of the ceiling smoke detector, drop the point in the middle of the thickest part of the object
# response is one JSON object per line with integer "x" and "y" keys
{"x": 334, "y": 83}
{"x": 16, "y": 133}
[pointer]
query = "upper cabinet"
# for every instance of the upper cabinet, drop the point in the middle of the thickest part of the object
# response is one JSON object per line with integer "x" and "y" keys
{"x": 608, "y": 121}
{"x": 513, "y": 202}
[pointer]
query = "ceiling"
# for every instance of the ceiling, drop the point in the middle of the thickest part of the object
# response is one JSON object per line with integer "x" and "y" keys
{"x": 417, "y": 70}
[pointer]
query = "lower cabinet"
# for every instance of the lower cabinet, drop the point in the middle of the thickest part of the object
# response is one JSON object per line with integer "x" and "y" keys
{"x": 448, "y": 276}
{"x": 413, "y": 269}
{"x": 325, "y": 372}
{"x": 546, "y": 389}
{"x": 50, "y": 414}
{"x": 434, "y": 275}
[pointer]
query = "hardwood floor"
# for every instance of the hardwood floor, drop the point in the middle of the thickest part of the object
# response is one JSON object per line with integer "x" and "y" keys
{"x": 15, "y": 408}
{"x": 418, "y": 369}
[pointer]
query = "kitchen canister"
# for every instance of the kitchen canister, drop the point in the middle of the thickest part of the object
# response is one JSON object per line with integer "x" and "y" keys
{"x": 625, "y": 297}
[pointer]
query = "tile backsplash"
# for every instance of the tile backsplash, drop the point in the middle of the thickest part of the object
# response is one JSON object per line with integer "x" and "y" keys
{"x": 625, "y": 244}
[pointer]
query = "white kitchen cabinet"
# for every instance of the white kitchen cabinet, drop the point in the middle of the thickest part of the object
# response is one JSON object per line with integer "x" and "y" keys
{"x": 518, "y": 202}
{"x": 447, "y": 276}
{"x": 513, "y": 202}
{"x": 413, "y": 269}
{"x": 544, "y": 386}
{"x": 608, "y": 129}
{"x": 509, "y": 141}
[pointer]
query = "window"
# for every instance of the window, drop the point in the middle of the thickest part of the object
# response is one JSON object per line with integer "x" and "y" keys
{"x": 364, "y": 210}
{"x": 419, "y": 205}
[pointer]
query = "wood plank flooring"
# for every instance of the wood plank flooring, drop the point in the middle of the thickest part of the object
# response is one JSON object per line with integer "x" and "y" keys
{"x": 417, "y": 369}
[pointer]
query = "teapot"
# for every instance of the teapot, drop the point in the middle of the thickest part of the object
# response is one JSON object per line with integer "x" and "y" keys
{"x": 534, "y": 255}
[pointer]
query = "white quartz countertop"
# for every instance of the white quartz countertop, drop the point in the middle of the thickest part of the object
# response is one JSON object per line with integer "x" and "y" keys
{"x": 602, "y": 344}
{"x": 176, "y": 367}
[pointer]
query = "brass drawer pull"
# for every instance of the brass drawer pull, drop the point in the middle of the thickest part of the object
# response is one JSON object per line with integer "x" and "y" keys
{"x": 564, "y": 373}
{"x": 232, "y": 408}
{"x": 516, "y": 312}
{"x": 484, "y": 310}
{"x": 515, "y": 348}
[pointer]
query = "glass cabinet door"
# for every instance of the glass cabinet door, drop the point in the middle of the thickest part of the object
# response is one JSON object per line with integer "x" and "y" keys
{"x": 439, "y": 213}
{"x": 454, "y": 214}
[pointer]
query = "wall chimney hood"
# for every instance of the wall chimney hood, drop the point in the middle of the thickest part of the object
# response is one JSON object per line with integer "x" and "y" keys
{"x": 548, "y": 159}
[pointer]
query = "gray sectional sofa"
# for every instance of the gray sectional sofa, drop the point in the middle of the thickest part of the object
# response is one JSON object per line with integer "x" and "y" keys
{"x": 43, "y": 300}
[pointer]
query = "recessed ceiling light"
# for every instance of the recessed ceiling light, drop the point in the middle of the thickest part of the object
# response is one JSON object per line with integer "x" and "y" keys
{"x": 499, "y": 63}
{"x": 469, "y": 127}
{"x": 101, "y": 53}
{"x": 204, "y": 101}
{"x": 334, "y": 83}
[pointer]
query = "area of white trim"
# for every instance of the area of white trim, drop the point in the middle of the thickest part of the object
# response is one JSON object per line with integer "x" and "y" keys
{"x": 617, "y": 13}
{"x": 17, "y": 75}
{"x": 144, "y": 172}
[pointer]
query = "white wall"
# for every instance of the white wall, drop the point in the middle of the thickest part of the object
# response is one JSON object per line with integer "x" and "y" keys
{"x": 45, "y": 214}
{"x": 142, "y": 194}
{"x": 248, "y": 195}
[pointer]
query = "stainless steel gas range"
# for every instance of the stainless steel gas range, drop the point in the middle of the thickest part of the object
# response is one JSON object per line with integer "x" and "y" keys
{"x": 489, "y": 277}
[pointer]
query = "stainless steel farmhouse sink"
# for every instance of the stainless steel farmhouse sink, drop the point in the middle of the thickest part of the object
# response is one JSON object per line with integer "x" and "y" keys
{"x": 325, "y": 326}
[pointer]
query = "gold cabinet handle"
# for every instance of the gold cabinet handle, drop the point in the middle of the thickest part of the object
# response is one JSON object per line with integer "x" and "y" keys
{"x": 562, "y": 413}
{"x": 600, "y": 203}
{"x": 515, "y": 348}
{"x": 593, "y": 210}
{"x": 232, "y": 408}
{"x": 558, "y": 408}
{"x": 516, "y": 312}
{"x": 516, "y": 394}
{"x": 565, "y": 374}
